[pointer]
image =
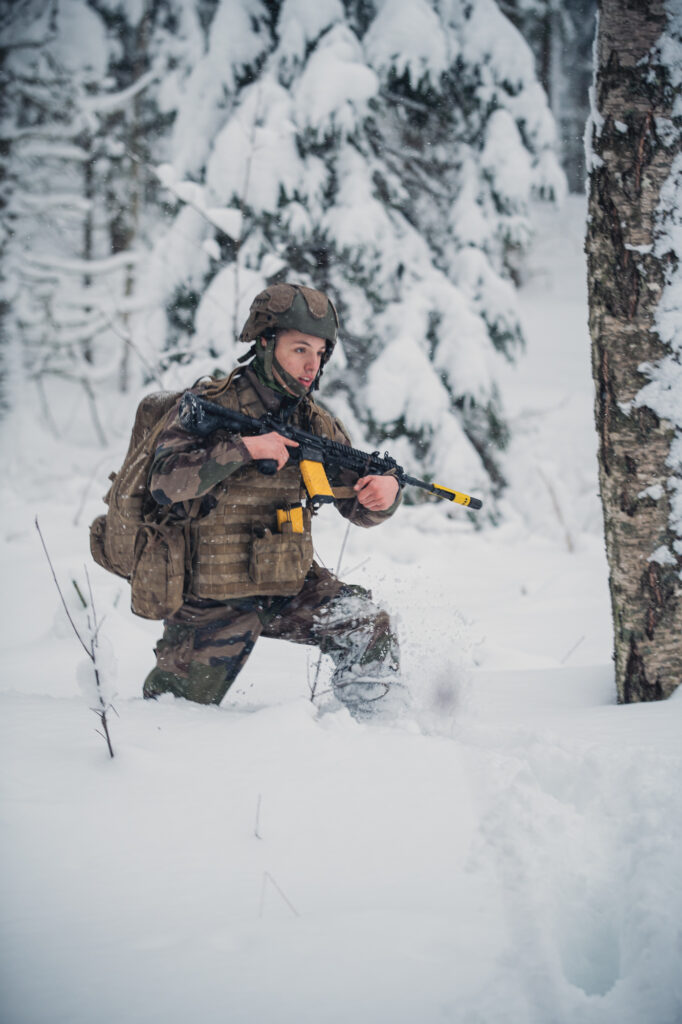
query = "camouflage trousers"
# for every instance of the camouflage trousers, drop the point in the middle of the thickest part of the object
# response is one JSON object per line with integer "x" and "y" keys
{"x": 205, "y": 645}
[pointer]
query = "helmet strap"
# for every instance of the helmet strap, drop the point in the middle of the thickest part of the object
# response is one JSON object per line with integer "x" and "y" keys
{"x": 253, "y": 351}
{"x": 272, "y": 373}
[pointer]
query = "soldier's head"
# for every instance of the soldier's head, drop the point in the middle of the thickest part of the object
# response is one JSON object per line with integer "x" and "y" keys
{"x": 293, "y": 331}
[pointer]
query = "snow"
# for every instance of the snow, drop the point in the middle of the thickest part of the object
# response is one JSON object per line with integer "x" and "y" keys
{"x": 336, "y": 85}
{"x": 505, "y": 159}
{"x": 507, "y": 851}
{"x": 507, "y": 71}
{"x": 227, "y": 219}
{"x": 300, "y": 23}
{"x": 407, "y": 38}
{"x": 236, "y": 41}
{"x": 81, "y": 42}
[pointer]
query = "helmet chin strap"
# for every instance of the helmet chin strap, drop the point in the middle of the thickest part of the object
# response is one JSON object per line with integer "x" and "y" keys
{"x": 274, "y": 373}
{"x": 287, "y": 381}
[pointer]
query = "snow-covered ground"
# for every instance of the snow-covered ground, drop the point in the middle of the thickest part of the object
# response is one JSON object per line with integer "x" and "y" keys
{"x": 508, "y": 851}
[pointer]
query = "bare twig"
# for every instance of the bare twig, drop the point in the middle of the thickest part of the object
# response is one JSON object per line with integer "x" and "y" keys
{"x": 95, "y": 628}
{"x": 84, "y": 496}
{"x": 92, "y": 402}
{"x": 127, "y": 340}
{"x": 59, "y": 590}
{"x": 256, "y": 829}
{"x": 267, "y": 877}
{"x": 570, "y": 544}
{"x": 313, "y": 686}
{"x": 80, "y": 594}
{"x": 359, "y": 565}
{"x": 90, "y": 650}
{"x": 101, "y": 711}
{"x": 575, "y": 647}
{"x": 47, "y": 412}
{"x": 345, "y": 541}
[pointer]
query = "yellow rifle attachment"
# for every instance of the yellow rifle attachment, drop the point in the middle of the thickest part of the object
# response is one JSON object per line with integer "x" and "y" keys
{"x": 315, "y": 479}
{"x": 456, "y": 496}
{"x": 290, "y": 520}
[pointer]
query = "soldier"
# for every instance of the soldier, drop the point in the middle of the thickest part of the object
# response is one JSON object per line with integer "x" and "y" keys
{"x": 252, "y": 569}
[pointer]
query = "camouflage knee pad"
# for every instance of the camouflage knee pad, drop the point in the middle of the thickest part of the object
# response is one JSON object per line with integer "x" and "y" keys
{"x": 358, "y": 637}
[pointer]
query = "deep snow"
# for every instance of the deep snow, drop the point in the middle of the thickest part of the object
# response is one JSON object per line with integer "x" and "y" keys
{"x": 509, "y": 851}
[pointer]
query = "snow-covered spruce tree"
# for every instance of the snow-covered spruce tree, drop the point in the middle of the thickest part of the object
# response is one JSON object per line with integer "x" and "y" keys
{"x": 634, "y": 245}
{"x": 561, "y": 35}
{"x": 81, "y": 116}
{"x": 386, "y": 152}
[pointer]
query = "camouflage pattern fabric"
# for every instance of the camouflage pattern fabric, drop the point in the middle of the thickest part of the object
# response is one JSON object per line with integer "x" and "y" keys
{"x": 186, "y": 467}
{"x": 205, "y": 646}
{"x": 207, "y": 642}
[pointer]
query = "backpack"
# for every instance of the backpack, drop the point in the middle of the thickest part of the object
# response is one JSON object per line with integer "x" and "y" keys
{"x": 132, "y": 540}
{"x": 135, "y": 539}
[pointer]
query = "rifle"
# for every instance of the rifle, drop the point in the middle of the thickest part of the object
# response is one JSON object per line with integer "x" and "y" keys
{"x": 315, "y": 454}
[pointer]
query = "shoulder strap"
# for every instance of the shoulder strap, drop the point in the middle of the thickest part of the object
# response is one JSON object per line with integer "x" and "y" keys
{"x": 212, "y": 388}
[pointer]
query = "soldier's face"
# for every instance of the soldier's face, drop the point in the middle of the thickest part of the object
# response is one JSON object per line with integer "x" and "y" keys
{"x": 300, "y": 355}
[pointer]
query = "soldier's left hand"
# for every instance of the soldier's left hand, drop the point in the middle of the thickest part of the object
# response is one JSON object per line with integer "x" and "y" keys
{"x": 377, "y": 493}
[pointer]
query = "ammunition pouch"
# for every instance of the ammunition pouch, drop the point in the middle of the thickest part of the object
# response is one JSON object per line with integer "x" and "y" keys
{"x": 280, "y": 561}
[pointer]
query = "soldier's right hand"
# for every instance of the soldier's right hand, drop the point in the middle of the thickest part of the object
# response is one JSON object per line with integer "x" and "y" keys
{"x": 270, "y": 446}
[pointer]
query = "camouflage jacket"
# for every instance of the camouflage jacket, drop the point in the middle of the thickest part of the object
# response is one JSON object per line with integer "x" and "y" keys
{"x": 240, "y": 503}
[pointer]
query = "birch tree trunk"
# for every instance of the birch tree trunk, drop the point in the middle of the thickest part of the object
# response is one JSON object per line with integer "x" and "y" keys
{"x": 635, "y": 139}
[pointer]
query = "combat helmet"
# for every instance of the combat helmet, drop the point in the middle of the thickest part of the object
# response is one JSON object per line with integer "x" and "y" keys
{"x": 287, "y": 307}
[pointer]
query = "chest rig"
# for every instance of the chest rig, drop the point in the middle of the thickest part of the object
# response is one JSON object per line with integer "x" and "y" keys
{"x": 242, "y": 548}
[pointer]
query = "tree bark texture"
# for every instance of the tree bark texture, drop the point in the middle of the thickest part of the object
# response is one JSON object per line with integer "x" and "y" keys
{"x": 633, "y": 150}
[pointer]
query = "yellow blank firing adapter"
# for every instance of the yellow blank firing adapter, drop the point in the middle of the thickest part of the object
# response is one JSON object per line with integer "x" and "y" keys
{"x": 290, "y": 520}
{"x": 456, "y": 496}
{"x": 316, "y": 482}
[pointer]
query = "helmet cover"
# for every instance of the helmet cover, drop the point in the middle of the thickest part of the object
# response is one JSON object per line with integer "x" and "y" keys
{"x": 292, "y": 307}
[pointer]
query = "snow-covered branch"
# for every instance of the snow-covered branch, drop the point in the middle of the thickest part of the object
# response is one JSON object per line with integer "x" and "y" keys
{"x": 92, "y": 267}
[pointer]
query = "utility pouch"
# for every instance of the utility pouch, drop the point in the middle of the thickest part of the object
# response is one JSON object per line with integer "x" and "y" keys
{"x": 279, "y": 562}
{"x": 158, "y": 576}
{"x": 98, "y": 532}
